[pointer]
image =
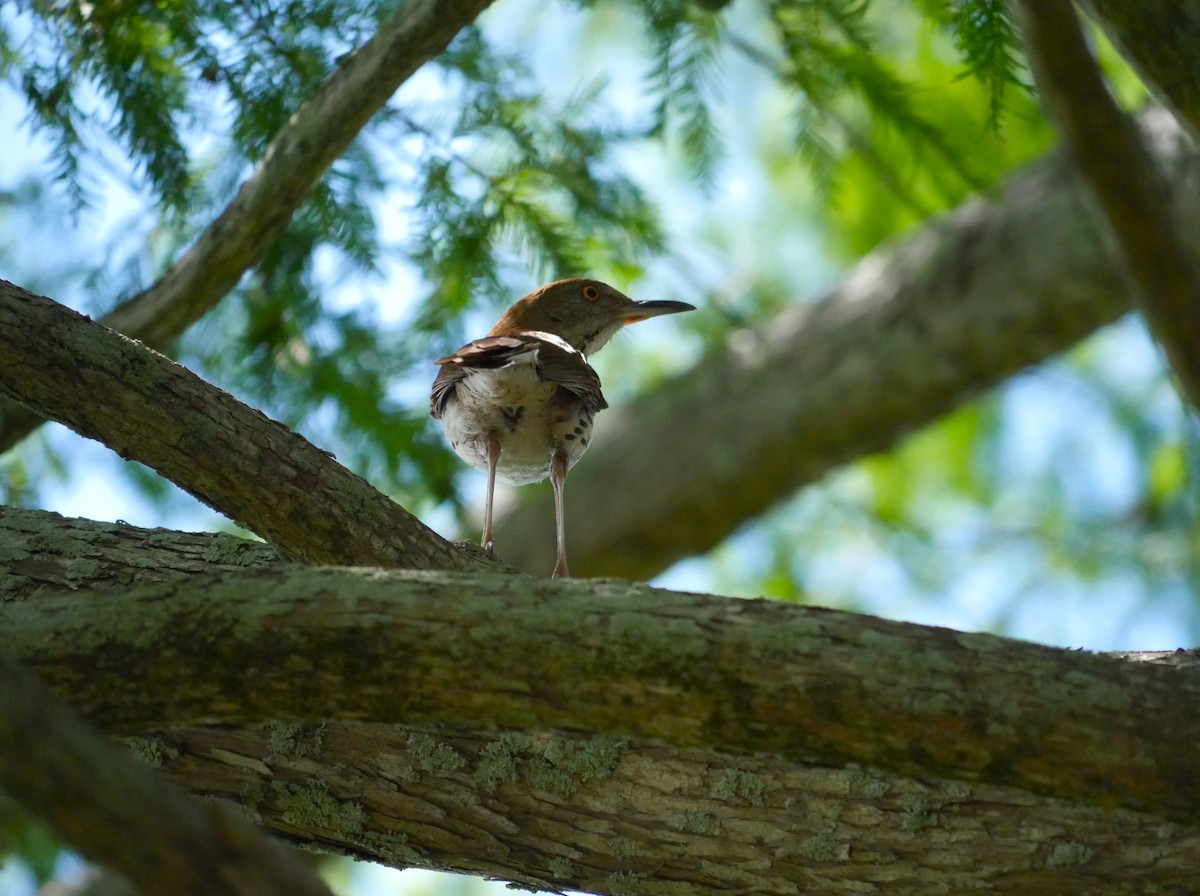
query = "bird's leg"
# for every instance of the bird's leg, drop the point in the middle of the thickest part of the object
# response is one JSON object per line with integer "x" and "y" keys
{"x": 558, "y": 476}
{"x": 489, "y": 539}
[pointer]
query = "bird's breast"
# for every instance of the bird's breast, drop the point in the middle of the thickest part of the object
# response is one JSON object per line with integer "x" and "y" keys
{"x": 531, "y": 418}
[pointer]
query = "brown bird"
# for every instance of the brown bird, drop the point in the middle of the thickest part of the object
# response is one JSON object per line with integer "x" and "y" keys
{"x": 519, "y": 403}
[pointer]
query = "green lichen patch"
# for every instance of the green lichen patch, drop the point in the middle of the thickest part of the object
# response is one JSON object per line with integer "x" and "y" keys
{"x": 312, "y": 805}
{"x": 295, "y": 739}
{"x": 544, "y": 776}
{"x": 693, "y": 821}
{"x": 253, "y": 795}
{"x": 623, "y": 883}
{"x": 824, "y": 847}
{"x": 12, "y": 553}
{"x": 561, "y": 868}
{"x": 499, "y": 761}
{"x": 231, "y": 551}
{"x": 859, "y": 783}
{"x": 82, "y": 568}
{"x": 676, "y": 647}
{"x": 565, "y": 765}
{"x": 393, "y": 848}
{"x": 152, "y": 750}
{"x": 1070, "y": 855}
{"x": 432, "y": 755}
{"x": 11, "y": 587}
{"x": 914, "y": 814}
{"x": 622, "y": 848}
{"x": 735, "y": 784}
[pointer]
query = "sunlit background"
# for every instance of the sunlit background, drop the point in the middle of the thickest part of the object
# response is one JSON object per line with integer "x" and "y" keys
{"x": 1059, "y": 508}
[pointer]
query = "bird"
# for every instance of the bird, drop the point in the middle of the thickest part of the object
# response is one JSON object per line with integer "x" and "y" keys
{"x": 519, "y": 403}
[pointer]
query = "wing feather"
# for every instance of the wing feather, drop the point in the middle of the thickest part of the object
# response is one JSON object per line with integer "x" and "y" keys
{"x": 554, "y": 359}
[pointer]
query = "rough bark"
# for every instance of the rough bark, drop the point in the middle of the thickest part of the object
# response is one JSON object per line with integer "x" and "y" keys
{"x": 44, "y": 552}
{"x": 437, "y": 648}
{"x": 305, "y": 147}
{"x": 102, "y": 799}
{"x": 1131, "y": 200}
{"x": 254, "y": 470}
{"x": 914, "y": 330}
{"x": 617, "y": 739}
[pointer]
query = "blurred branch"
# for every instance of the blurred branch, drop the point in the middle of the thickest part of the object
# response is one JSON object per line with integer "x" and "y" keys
{"x": 1159, "y": 39}
{"x": 256, "y": 471}
{"x": 913, "y": 331}
{"x": 101, "y": 800}
{"x": 1122, "y": 178}
{"x": 94, "y": 882}
{"x": 775, "y": 739}
{"x": 304, "y": 148}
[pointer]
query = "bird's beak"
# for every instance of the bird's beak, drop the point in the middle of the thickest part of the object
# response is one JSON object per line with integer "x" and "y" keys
{"x": 643, "y": 310}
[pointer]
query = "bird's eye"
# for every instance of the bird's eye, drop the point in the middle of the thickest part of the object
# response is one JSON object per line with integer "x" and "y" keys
{"x": 591, "y": 293}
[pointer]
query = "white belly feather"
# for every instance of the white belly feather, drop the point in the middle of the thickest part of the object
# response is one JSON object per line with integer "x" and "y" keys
{"x": 515, "y": 404}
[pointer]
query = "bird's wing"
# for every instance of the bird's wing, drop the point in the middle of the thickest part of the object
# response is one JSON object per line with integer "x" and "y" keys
{"x": 554, "y": 359}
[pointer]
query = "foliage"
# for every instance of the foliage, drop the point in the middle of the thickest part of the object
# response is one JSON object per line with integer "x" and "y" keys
{"x": 494, "y": 172}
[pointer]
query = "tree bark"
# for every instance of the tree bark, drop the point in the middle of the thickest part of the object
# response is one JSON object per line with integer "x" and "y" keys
{"x": 301, "y": 152}
{"x": 256, "y": 471}
{"x": 617, "y": 739}
{"x": 913, "y": 331}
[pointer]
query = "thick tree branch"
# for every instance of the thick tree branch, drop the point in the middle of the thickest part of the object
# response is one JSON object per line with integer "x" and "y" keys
{"x": 304, "y": 148}
{"x": 912, "y": 332}
{"x": 256, "y": 471}
{"x": 638, "y": 813}
{"x": 102, "y": 800}
{"x": 1121, "y": 176}
{"x": 797, "y": 683}
{"x": 569, "y": 811}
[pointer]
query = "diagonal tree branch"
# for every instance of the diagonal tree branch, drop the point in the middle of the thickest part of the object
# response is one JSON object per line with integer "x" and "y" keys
{"x": 304, "y": 148}
{"x": 913, "y": 331}
{"x": 101, "y": 799}
{"x": 254, "y": 470}
{"x": 1123, "y": 181}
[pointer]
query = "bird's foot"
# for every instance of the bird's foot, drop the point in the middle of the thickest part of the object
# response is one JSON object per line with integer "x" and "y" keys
{"x": 560, "y": 570}
{"x": 489, "y": 548}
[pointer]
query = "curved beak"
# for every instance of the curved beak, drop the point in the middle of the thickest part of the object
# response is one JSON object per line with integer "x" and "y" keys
{"x": 643, "y": 310}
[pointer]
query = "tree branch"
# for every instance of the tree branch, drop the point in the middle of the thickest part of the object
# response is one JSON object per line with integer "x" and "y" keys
{"x": 101, "y": 799}
{"x": 718, "y": 674}
{"x": 301, "y": 152}
{"x": 1159, "y": 39}
{"x": 913, "y": 331}
{"x": 566, "y": 811}
{"x": 647, "y": 815}
{"x": 256, "y": 471}
{"x": 1121, "y": 176}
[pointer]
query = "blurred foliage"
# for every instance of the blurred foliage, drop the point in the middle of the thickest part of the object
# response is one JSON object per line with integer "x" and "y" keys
{"x": 491, "y": 170}
{"x": 28, "y": 841}
{"x": 1073, "y": 484}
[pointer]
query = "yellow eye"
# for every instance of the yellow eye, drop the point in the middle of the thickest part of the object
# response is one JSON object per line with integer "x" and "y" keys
{"x": 591, "y": 293}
